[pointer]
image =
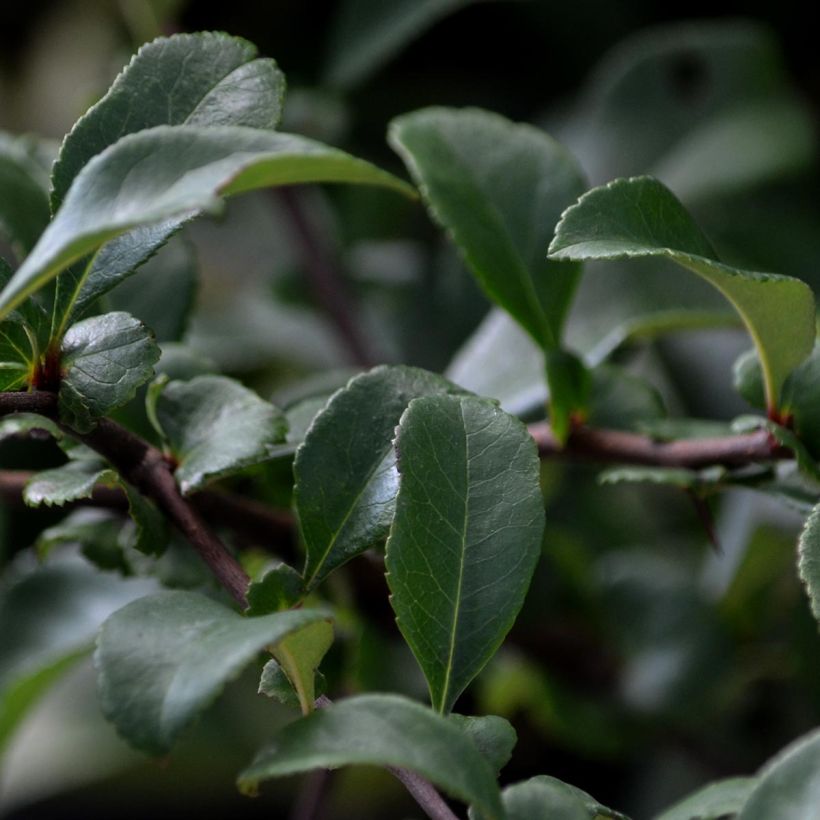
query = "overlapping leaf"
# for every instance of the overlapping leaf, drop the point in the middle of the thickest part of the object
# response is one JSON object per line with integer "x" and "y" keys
{"x": 717, "y": 800}
{"x": 639, "y": 217}
{"x": 345, "y": 471}
{"x": 164, "y": 658}
{"x": 381, "y": 730}
{"x": 466, "y": 535}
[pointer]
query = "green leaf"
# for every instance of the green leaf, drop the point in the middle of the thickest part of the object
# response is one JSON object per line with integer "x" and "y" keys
{"x": 675, "y": 477}
{"x": 639, "y": 217}
{"x": 196, "y": 79}
{"x": 712, "y": 802}
{"x": 747, "y": 378}
{"x": 801, "y": 401}
{"x": 149, "y": 533}
{"x": 23, "y": 423}
{"x": 279, "y": 588}
{"x": 367, "y": 34}
{"x": 622, "y": 401}
{"x": 164, "y": 658}
{"x": 24, "y": 210}
{"x": 788, "y": 786}
{"x": 300, "y": 654}
{"x": 541, "y": 798}
{"x": 70, "y": 482}
{"x": 56, "y": 610}
{"x": 381, "y": 730}
{"x": 809, "y": 559}
{"x": 162, "y": 294}
{"x": 275, "y": 684}
{"x": 95, "y": 531}
{"x": 466, "y": 535}
{"x": 784, "y": 437}
{"x": 499, "y": 189}
{"x": 104, "y": 360}
{"x": 171, "y": 172}
{"x": 493, "y": 736}
{"x": 570, "y": 385}
{"x": 345, "y": 471}
{"x": 215, "y": 428}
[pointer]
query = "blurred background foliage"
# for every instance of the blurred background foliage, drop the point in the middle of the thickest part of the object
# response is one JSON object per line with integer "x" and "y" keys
{"x": 644, "y": 662}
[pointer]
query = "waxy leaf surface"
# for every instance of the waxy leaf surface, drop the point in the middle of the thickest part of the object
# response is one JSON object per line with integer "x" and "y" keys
{"x": 639, "y": 217}
{"x": 345, "y": 471}
{"x": 466, "y": 535}
{"x": 164, "y": 658}
{"x": 381, "y": 730}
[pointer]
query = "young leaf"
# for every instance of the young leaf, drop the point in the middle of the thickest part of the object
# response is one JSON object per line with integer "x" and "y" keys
{"x": 466, "y": 535}
{"x": 67, "y": 483}
{"x": 712, "y": 802}
{"x": 300, "y": 654}
{"x": 279, "y": 588}
{"x": 345, "y": 471}
{"x": 639, "y": 217}
{"x": 788, "y": 785}
{"x": 498, "y": 188}
{"x": 216, "y": 427}
{"x": 164, "y": 658}
{"x": 275, "y": 684}
{"x": 809, "y": 559}
{"x": 171, "y": 172}
{"x": 381, "y": 730}
{"x": 55, "y": 611}
{"x": 204, "y": 78}
{"x": 104, "y": 360}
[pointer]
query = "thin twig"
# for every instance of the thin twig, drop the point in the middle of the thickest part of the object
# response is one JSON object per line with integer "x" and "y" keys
{"x": 325, "y": 280}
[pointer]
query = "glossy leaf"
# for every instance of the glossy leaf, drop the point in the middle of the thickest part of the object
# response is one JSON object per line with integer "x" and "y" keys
{"x": 466, "y": 535}
{"x": 70, "y": 482}
{"x": 56, "y": 610}
{"x": 104, "y": 360}
{"x": 175, "y": 172}
{"x": 368, "y": 33}
{"x": 788, "y": 786}
{"x": 216, "y": 427}
{"x": 381, "y": 730}
{"x": 345, "y": 471}
{"x": 639, "y": 217}
{"x": 164, "y": 658}
{"x": 499, "y": 189}
{"x": 809, "y": 560}
{"x": 713, "y": 802}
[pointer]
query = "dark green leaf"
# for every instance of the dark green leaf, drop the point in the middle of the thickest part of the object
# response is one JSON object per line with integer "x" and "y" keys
{"x": 541, "y": 798}
{"x": 712, "y": 802}
{"x": 279, "y": 588}
{"x": 174, "y": 172}
{"x": 55, "y": 610}
{"x": 275, "y": 684}
{"x": 104, "y": 360}
{"x": 345, "y": 471}
{"x": 493, "y": 736}
{"x": 639, "y": 217}
{"x": 499, "y": 189}
{"x": 197, "y": 79}
{"x": 24, "y": 211}
{"x": 570, "y": 385}
{"x": 381, "y": 730}
{"x": 367, "y": 34}
{"x": 67, "y": 483}
{"x": 466, "y": 535}
{"x": 788, "y": 786}
{"x": 215, "y": 428}
{"x": 162, "y": 294}
{"x": 164, "y": 658}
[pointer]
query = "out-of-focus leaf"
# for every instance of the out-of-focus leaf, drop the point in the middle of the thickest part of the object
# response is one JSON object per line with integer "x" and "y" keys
{"x": 279, "y": 588}
{"x": 494, "y": 737}
{"x": 712, "y": 802}
{"x": 809, "y": 559}
{"x": 622, "y": 401}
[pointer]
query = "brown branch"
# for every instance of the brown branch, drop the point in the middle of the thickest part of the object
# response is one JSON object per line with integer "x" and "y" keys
{"x": 620, "y": 447}
{"x": 325, "y": 280}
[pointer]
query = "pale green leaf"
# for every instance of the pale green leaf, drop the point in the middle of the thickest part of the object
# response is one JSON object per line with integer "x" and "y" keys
{"x": 279, "y": 588}
{"x": 104, "y": 360}
{"x": 345, "y": 471}
{"x": 164, "y": 658}
{"x": 300, "y": 654}
{"x": 788, "y": 786}
{"x": 216, "y": 427}
{"x": 466, "y": 535}
{"x": 275, "y": 684}
{"x": 381, "y": 730}
{"x": 498, "y": 188}
{"x": 712, "y": 802}
{"x": 639, "y": 217}
{"x": 171, "y": 172}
